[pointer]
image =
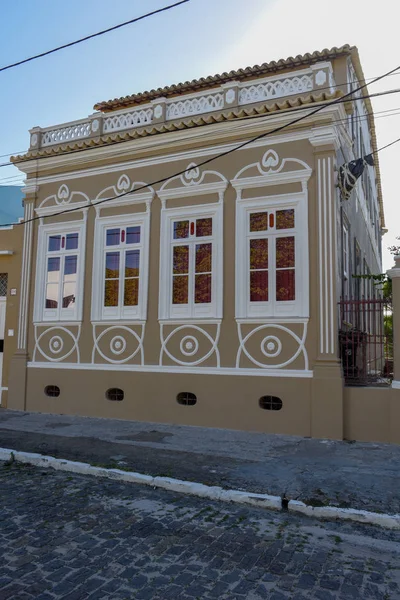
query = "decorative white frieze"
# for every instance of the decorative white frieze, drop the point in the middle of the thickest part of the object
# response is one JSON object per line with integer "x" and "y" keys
{"x": 195, "y": 106}
{"x": 127, "y": 120}
{"x": 269, "y": 90}
{"x": 161, "y": 109}
{"x": 66, "y": 134}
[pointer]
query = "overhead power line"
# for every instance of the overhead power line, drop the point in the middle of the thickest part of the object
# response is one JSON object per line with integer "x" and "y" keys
{"x": 213, "y": 158}
{"x": 342, "y": 99}
{"x": 93, "y": 35}
{"x": 383, "y": 114}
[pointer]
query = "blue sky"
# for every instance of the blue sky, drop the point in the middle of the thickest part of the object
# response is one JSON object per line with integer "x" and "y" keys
{"x": 197, "y": 39}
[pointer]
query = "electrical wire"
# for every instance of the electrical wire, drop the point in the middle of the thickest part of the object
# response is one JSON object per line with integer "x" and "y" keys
{"x": 337, "y": 85}
{"x": 212, "y": 159}
{"x": 93, "y": 35}
{"x": 342, "y": 99}
{"x": 393, "y": 112}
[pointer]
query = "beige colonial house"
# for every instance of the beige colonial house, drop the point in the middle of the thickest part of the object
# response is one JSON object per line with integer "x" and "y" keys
{"x": 189, "y": 249}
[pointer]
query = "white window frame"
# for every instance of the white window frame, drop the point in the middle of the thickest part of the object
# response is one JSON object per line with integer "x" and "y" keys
{"x": 298, "y": 308}
{"x": 191, "y": 311}
{"x": 121, "y": 313}
{"x": 42, "y": 314}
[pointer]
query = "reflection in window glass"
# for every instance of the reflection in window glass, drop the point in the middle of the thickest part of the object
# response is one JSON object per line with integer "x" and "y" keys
{"x": 54, "y": 243}
{"x": 285, "y": 219}
{"x": 113, "y": 237}
{"x": 259, "y": 221}
{"x": 180, "y": 260}
{"x": 131, "y": 292}
{"x": 181, "y": 229}
{"x": 259, "y": 286}
{"x": 284, "y": 252}
{"x": 203, "y": 227}
{"x": 285, "y": 285}
{"x": 133, "y": 235}
{"x": 72, "y": 241}
{"x": 180, "y": 289}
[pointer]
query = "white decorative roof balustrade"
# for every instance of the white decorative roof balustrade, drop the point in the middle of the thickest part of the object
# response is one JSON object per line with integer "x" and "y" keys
{"x": 318, "y": 77}
{"x": 65, "y": 134}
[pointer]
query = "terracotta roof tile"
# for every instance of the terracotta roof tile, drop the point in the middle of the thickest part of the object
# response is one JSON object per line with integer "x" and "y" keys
{"x": 214, "y": 80}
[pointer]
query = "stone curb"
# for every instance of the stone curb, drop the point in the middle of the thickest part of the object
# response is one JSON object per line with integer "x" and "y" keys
{"x": 204, "y": 491}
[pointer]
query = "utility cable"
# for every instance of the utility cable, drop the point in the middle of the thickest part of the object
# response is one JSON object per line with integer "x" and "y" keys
{"x": 342, "y": 99}
{"x": 209, "y": 160}
{"x": 93, "y": 35}
{"x": 393, "y": 112}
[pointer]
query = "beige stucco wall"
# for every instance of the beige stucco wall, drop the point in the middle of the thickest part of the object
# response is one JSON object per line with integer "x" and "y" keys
{"x": 10, "y": 240}
{"x": 312, "y": 393}
{"x": 372, "y": 414}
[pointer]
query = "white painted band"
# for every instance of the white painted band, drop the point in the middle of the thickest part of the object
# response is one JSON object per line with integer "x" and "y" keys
{"x": 204, "y": 491}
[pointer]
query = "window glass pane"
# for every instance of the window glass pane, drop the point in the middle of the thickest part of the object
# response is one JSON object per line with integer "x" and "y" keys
{"x": 54, "y": 243}
{"x": 112, "y": 265}
{"x": 259, "y": 254}
{"x": 133, "y": 235}
{"x": 69, "y": 291}
{"x": 285, "y": 285}
{"x": 53, "y": 269}
{"x": 202, "y": 289}
{"x": 285, "y": 219}
{"x": 259, "y": 286}
{"x": 259, "y": 221}
{"x": 131, "y": 292}
{"x": 70, "y": 266}
{"x": 132, "y": 260}
{"x": 113, "y": 237}
{"x": 72, "y": 241}
{"x": 181, "y": 229}
{"x": 284, "y": 252}
{"x": 203, "y": 227}
{"x": 203, "y": 258}
{"x": 180, "y": 259}
{"x": 180, "y": 289}
{"x": 52, "y": 295}
{"x": 111, "y": 292}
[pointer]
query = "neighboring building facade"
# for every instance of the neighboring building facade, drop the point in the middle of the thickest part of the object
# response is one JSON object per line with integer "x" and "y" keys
{"x": 10, "y": 276}
{"x": 206, "y": 295}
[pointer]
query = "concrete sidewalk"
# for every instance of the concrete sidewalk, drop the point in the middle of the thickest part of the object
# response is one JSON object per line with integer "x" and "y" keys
{"x": 317, "y": 472}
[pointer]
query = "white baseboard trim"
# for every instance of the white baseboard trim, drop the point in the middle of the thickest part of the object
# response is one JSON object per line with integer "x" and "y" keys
{"x": 170, "y": 369}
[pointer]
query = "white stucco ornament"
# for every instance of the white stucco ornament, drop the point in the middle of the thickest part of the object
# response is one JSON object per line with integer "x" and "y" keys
{"x": 34, "y": 139}
{"x": 189, "y": 345}
{"x": 320, "y": 78}
{"x": 56, "y": 344}
{"x": 118, "y": 344}
{"x": 230, "y": 96}
{"x": 271, "y": 346}
{"x": 95, "y": 125}
{"x": 158, "y": 111}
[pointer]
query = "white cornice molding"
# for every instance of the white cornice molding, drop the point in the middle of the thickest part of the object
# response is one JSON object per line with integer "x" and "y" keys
{"x": 193, "y": 190}
{"x": 272, "y": 179}
{"x": 6, "y": 252}
{"x": 214, "y": 132}
{"x": 47, "y": 211}
{"x": 30, "y": 189}
{"x": 325, "y": 136}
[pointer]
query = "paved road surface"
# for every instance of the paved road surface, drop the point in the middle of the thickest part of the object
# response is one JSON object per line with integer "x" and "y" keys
{"x": 318, "y": 472}
{"x": 75, "y": 537}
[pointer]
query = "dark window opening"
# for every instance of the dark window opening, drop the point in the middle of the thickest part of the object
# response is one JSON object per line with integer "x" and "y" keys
{"x": 52, "y": 390}
{"x": 115, "y": 394}
{"x": 186, "y": 398}
{"x": 270, "y": 403}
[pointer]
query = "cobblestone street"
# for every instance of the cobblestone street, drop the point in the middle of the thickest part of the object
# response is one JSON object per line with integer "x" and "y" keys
{"x": 75, "y": 537}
